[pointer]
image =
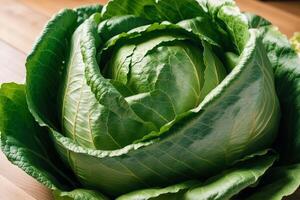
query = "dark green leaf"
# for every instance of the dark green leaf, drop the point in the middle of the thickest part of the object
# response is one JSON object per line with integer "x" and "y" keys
{"x": 284, "y": 179}
{"x": 84, "y": 12}
{"x": 277, "y": 183}
{"x": 26, "y": 144}
{"x": 44, "y": 67}
{"x": 285, "y": 63}
{"x": 119, "y": 24}
{"x": 234, "y": 180}
{"x": 172, "y": 192}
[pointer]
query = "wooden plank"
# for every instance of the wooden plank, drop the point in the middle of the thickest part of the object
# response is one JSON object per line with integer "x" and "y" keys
{"x": 12, "y": 64}
{"x": 22, "y": 181}
{"x": 280, "y": 15}
{"x": 48, "y": 8}
{"x": 22, "y": 21}
{"x": 292, "y": 7}
{"x": 286, "y": 22}
{"x": 19, "y": 24}
{"x": 16, "y": 17}
{"x": 11, "y": 192}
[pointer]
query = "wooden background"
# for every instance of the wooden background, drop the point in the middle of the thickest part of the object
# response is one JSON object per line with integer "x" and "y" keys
{"x": 21, "y": 21}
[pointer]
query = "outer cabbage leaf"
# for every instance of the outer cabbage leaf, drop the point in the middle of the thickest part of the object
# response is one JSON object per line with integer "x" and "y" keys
{"x": 26, "y": 144}
{"x": 277, "y": 183}
{"x": 223, "y": 186}
{"x": 171, "y": 192}
{"x": 282, "y": 180}
{"x": 286, "y": 66}
{"x": 233, "y": 180}
{"x": 85, "y": 12}
{"x": 30, "y": 147}
{"x": 44, "y": 67}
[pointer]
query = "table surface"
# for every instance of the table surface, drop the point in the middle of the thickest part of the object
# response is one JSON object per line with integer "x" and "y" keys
{"x": 21, "y": 21}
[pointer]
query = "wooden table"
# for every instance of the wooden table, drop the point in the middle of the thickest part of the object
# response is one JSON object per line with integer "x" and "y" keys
{"x": 21, "y": 21}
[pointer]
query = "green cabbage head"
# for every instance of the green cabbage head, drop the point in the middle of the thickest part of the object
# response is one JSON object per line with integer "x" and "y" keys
{"x": 157, "y": 99}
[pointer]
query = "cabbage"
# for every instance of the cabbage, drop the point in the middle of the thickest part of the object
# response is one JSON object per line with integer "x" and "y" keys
{"x": 157, "y": 99}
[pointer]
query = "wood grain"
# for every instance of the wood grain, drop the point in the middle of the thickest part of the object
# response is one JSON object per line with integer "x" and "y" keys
{"x": 47, "y": 7}
{"x": 287, "y": 22}
{"x": 12, "y": 63}
{"x": 21, "y": 22}
{"x": 11, "y": 192}
{"x": 22, "y": 181}
{"x": 292, "y": 6}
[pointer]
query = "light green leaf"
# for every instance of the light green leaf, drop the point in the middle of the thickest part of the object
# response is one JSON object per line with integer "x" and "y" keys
{"x": 237, "y": 25}
{"x": 78, "y": 102}
{"x": 214, "y": 72}
{"x": 83, "y": 118}
{"x": 119, "y": 24}
{"x": 255, "y": 21}
{"x": 111, "y": 122}
{"x": 207, "y": 30}
{"x": 78, "y": 194}
{"x": 155, "y": 10}
{"x": 295, "y": 40}
{"x": 145, "y": 65}
{"x": 159, "y": 97}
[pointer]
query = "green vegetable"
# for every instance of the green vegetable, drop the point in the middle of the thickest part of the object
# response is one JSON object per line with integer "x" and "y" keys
{"x": 295, "y": 40}
{"x": 165, "y": 99}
